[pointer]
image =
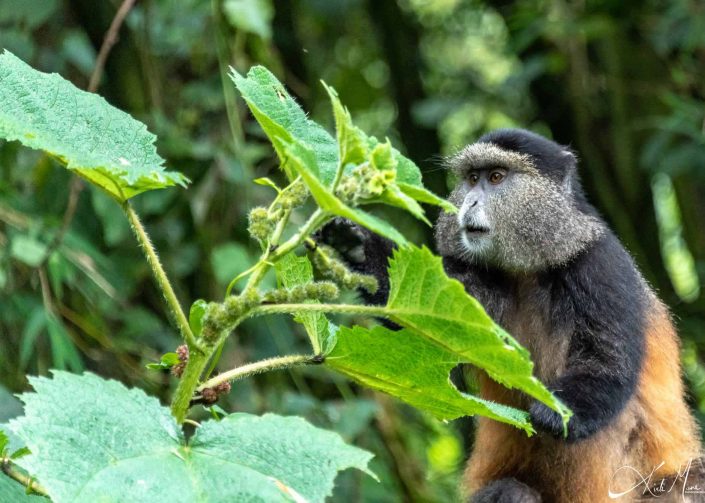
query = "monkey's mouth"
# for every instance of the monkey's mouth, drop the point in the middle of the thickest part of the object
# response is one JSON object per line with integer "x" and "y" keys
{"x": 475, "y": 230}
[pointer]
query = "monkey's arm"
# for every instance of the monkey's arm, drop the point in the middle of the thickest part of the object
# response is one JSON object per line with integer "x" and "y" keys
{"x": 605, "y": 297}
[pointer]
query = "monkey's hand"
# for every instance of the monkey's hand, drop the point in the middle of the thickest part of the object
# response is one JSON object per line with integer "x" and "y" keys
{"x": 347, "y": 238}
{"x": 549, "y": 421}
{"x": 363, "y": 250}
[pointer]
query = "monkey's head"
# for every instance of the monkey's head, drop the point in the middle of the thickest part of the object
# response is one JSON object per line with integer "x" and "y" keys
{"x": 521, "y": 204}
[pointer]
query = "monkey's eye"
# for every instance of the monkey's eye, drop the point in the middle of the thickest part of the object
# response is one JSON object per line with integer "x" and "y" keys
{"x": 496, "y": 177}
{"x": 473, "y": 178}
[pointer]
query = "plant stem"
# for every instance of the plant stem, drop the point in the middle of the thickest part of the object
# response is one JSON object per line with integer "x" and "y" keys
{"x": 198, "y": 360}
{"x": 188, "y": 383}
{"x": 319, "y": 308}
{"x": 28, "y": 482}
{"x": 317, "y": 218}
{"x": 278, "y": 363}
{"x": 161, "y": 277}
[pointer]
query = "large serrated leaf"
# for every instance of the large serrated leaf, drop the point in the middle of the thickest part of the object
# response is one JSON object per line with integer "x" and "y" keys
{"x": 425, "y": 300}
{"x": 263, "y": 92}
{"x": 99, "y": 142}
{"x": 415, "y": 370}
{"x": 95, "y": 440}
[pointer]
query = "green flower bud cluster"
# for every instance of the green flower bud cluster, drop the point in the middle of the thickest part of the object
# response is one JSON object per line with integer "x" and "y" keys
{"x": 260, "y": 224}
{"x": 365, "y": 182}
{"x": 319, "y": 290}
{"x": 326, "y": 262}
{"x": 294, "y": 195}
{"x": 223, "y": 316}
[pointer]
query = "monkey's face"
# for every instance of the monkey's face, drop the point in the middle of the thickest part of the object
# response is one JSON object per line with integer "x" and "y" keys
{"x": 511, "y": 215}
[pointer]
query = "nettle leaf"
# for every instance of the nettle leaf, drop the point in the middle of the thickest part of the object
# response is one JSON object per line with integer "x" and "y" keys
{"x": 293, "y": 270}
{"x": 352, "y": 141}
{"x": 264, "y": 93}
{"x": 426, "y": 301}
{"x": 303, "y": 160}
{"x": 95, "y": 440}
{"x": 415, "y": 370}
{"x": 99, "y": 142}
{"x": 284, "y": 122}
{"x": 195, "y": 316}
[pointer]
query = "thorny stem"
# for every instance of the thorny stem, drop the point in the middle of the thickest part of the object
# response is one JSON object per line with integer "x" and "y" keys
{"x": 28, "y": 482}
{"x": 161, "y": 277}
{"x": 278, "y": 363}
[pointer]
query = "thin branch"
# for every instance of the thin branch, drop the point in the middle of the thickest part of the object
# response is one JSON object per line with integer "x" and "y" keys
{"x": 108, "y": 42}
{"x": 76, "y": 182}
{"x": 28, "y": 482}
{"x": 278, "y": 363}
{"x": 318, "y": 308}
{"x": 161, "y": 277}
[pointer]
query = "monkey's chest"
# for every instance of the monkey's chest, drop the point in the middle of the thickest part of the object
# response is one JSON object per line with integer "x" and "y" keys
{"x": 530, "y": 324}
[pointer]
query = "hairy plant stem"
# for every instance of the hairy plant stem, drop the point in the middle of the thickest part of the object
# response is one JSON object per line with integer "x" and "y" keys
{"x": 318, "y": 308}
{"x": 161, "y": 277}
{"x": 198, "y": 361}
{"x": 28, "y": 482}
{"x": 277, "y": 363}
{"x": 316, "y": 220}
{"x": 188, "y": 384}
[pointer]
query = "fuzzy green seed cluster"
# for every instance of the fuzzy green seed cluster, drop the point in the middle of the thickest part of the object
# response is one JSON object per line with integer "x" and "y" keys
{"x": 365, "y": 182}
{"x": 330, "y": 266}
{"x": 319, "y": 290}
{"x": 293, "y": 196}
{"x": 260, "y": 224}
{"x": 219, "y": 316}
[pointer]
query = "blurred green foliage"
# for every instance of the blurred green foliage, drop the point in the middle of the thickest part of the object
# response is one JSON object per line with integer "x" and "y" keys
{"x": 618, "y": 81}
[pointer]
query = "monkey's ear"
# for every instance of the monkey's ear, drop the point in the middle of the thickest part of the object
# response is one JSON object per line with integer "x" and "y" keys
{"x": 571, "y": 164}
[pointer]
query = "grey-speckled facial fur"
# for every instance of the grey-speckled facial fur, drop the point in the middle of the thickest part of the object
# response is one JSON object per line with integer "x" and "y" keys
{"x": 482, "y": 155}
{"x": 534, "y": 222}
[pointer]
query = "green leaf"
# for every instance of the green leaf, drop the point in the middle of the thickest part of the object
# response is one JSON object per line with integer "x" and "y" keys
{"x": 167, "y": 361}
{"x": 27, "y": 249}
{"x": 382, "y": 159}
{"x": 352, "y": 142}
{"x": 303, "y": 161}
{"x": 282, "y": 118}
{"x": 251, "y": 16}
{"x": 13, "y": 492}
{"x": 425, "y": 300}
{"x": 267, "y": 182}
{"x": 99, "y": 142}
{"x": 95, "y": 440}
{"x": 4, "y": 440}
{"x": 293, "y": 270}
{"x": 195, "y": 316}
{"x": 407, "y": 171}
{"x": 423, "y": 195}
{"x": 414, "y": 369}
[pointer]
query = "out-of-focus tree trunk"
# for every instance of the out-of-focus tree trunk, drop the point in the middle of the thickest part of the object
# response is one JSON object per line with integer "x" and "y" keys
{"x": 399, "y": 36}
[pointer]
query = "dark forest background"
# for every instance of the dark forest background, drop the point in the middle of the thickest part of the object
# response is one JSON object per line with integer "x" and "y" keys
{"x": 622, "y": 82}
